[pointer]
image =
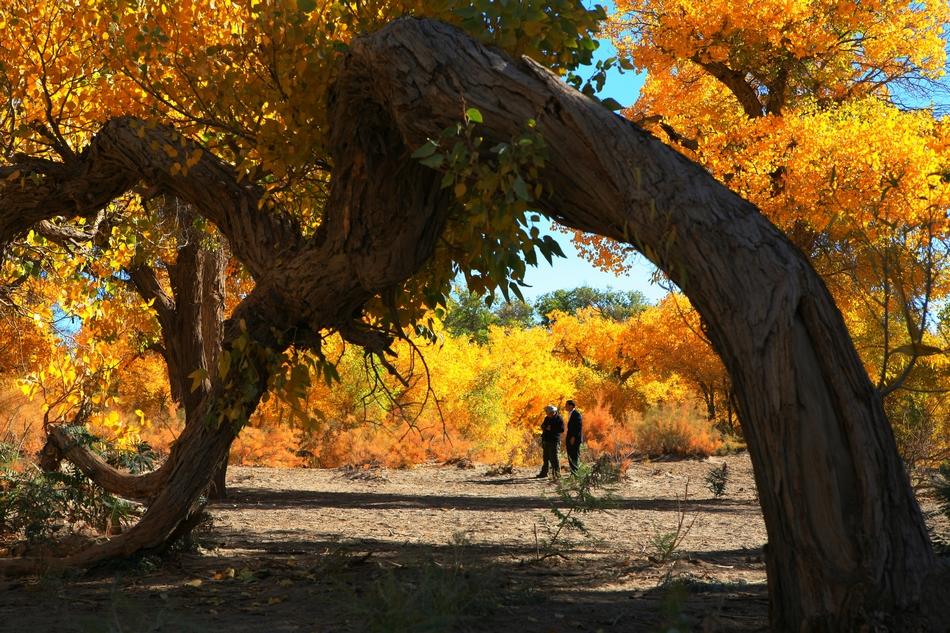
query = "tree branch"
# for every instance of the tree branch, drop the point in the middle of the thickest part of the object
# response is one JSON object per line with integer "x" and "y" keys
{"x": 736, "y": 82}
{"x": 128, "y": 151}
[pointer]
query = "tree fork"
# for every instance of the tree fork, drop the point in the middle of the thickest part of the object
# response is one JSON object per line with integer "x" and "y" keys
{"x": 383, "y": 219}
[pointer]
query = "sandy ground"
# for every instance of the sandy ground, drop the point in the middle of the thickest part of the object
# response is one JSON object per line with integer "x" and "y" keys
{"x": 434, "y": 548}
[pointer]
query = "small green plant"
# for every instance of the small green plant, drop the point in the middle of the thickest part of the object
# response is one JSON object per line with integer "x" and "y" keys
{"x": 666, "y": 544}
{"x": 9, "y": 454}
{"x": 717, "y": 478}
{"x": 37, "y": 505}
{"x": 578, "y": 495}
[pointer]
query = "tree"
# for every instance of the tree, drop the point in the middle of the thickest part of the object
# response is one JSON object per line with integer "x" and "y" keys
{"x": 150, "y": 59}
{"x": 612, "y": 304}
{"x": 667, "y": 339}
{"x": 822, "y": 114}
{"x": 515, "y": 314}
{"x": 468, "y": 315}
{"x": 839, "y": 557}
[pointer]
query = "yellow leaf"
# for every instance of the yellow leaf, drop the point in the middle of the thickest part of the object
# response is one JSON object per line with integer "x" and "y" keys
{"x": 224, "y": 364}
{"x": 197, "y": 377}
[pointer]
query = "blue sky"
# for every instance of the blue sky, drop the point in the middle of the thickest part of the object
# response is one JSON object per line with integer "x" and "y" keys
{"x": 573, "y": 271}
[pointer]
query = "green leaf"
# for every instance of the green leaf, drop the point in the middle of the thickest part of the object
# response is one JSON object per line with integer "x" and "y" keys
{"x": 224, "y": 364}
{"x": 197, "y": 377}
{"x": 611, "y": 104}
{"x": 554, "y": 246}
{"x": 424, "y": 151}
{"x": 306, "y": 5}
{"x": 520, "y": 187}
{"x": 435, "y": 161}
{"x": 515, "y": 289}
{"x": 474, "y": 115}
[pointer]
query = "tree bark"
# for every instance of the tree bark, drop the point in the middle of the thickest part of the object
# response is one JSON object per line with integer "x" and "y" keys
{"x": 848, "y": 547}
{"x": 60, "y": 446}
{"x": 213, "y": 270}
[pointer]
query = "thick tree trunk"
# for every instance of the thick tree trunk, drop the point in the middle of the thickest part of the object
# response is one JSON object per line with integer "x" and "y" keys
{"x": 847, "y": 543}
{"x": 202, "y": 447}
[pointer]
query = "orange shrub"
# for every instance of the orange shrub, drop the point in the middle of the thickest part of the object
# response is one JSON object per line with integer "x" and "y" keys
{"x": 273, "y": 445}
{"x": 21, "y": 421}
{"x": 605, "y": 434}
{"x": 676, "y": 429}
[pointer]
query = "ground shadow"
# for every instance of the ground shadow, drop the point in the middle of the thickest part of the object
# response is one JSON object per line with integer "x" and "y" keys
{"x": 344, "y": 587}
{"x": 282, "y": 499}
{"x": 291, "y": 579}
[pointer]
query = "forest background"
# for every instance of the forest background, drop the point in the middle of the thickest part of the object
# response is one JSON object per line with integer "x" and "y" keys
{"x": 842, "y": 141}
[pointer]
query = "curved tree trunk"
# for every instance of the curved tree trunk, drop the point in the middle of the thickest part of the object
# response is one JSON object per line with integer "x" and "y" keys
{"x": 847, "y": 543}
{"x": 384, "y": 217}
{"x": 59, "y": 446}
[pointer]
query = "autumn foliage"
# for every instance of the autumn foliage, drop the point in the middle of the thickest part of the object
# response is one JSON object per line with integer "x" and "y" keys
{"x": 463, "y": 398}
{"x": 802, "y": 107}
{"x": 484, "y": 401}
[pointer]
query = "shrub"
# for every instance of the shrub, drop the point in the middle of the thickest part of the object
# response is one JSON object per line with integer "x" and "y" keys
{"x": 35, "y": 505}
{"x": 666, "y": 543}
{"x": 578, "y": 495}
{"x": 676, "y": 429}
{"x": 609, "y": 469}
{"x": 717, "y": 478}
{"x": 606, "y": 434}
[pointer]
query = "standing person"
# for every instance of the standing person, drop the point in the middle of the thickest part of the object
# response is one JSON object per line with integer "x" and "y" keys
{"x": 575, "y": 435}
{"x": 551, "y": 429}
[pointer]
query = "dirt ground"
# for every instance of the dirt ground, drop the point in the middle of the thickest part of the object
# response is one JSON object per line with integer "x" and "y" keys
{"x": 434, "y": 548}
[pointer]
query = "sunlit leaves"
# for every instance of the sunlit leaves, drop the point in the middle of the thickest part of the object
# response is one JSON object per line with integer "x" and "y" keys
{"x": 492, "y": 233}
{"x": 796, "y": 106}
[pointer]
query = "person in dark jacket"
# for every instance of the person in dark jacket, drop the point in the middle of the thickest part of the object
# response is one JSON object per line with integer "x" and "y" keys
{"x": 551, "y": 429}
{"x": 575, "y": 435}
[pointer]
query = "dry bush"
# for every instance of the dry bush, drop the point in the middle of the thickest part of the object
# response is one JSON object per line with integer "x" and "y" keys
{"x": 676, "y": 429}
{"x": 499, "y": 470}
{"x": 463, "y": 462}
{"x": 606, "y": 435}
{"x": 21, "y": 421}
{"x": 275, "y": 446}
